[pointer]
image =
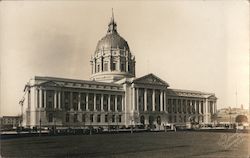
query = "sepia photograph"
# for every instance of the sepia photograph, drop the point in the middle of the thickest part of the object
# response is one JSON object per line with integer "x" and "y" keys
{"x": 124, "y": 79}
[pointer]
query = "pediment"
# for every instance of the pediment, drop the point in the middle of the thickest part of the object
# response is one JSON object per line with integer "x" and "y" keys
{"x": 150, "y": 79}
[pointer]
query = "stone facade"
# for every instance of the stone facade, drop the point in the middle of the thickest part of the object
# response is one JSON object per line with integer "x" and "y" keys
{"x": 113, "y": 96}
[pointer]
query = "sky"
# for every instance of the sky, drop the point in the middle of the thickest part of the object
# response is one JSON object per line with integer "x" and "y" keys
{"x": 193, "y": 45}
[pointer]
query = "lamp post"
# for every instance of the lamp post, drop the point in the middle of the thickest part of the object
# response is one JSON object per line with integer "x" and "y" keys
{"x": 40, "y": 130}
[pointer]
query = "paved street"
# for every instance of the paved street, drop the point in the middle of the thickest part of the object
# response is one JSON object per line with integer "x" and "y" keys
{"x": 148, "y": 145}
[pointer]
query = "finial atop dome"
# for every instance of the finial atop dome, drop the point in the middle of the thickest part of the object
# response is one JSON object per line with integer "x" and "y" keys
{"x": 112, "y": 24}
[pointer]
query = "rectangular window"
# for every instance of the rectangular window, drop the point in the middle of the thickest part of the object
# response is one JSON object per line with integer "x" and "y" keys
{"x": 75, "y": 118}
{"x": 119, "y": 103}
{"x": 122, "y": 67}
{"x": 50, "y": 117}
{"x": 113, "y": 118}
{"x": 83, "y": 102}
{"x": 105, "y": 102}
{"x": 91, "y": 101}
{"x": 83, "y": 118}
{"x": 98, "y": 68}
{"x": 114, "y": 66}
{"x": 98, "y": 118}
{"x": 105, "y": 66}
{"x": 67, "y": 118}
{"x": 98, "y": 102}
{"x": 120, "y": 118}
{"x": 112, "y": 103}
{"x": 106, "y": 118}
{"x": 91, "y": 118}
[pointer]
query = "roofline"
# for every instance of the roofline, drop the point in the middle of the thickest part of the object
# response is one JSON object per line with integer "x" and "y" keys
{"x": 191, "y": 91}
{"x": 47, "y": 78}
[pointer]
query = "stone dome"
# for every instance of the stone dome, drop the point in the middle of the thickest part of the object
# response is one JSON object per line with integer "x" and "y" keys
{"x": 112, "y": 59}
{"x": 112, "y": 40}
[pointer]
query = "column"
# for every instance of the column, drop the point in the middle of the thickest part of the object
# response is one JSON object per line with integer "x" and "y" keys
{"x": 187, "y": 106}
{"x": 199, "y": 109}
{"x": 215, "y": 107}
{"x": 109, "y": 103}
{"x": 102, "y": 102}
{"x": 206, "y": 111}
{"x": 161, "y": 101}
{"x": 55, "y": 99}
{"x": 195, "y": 107}
{"x": 37, "y": 97}
{"x": 145, "y": 99}
{"x": 87, "y": 102}
{"x": 71, "y": 101}
{"x": 116, "y": 103}
{"x": 199, "y": 106}
{"x": 133, "y": 99}
{"x": 153, "y": 100}
{"x": 40, "y": 98}
{"x": 101, "y": 66}
{"x": 137, "y": 99}
{"x": 126, "y": 64}
{"x": 94, "y": 102}
{"x": 59, "y": 100}
{"x": 165, "y": 101}
{"x": 79, "y": 101}
{"x": 45, "y": 99}
{"x": 123, "y": 100}
{"x": 182, "y": 106}
{"x": 119, "y": 63}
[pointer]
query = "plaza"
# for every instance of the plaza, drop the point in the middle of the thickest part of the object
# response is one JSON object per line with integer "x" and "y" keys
{"x": 153, "y": 144}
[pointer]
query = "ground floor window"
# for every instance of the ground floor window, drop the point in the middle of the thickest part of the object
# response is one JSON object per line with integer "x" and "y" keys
{"x": 83, "y": 118}
{"x": 75, "y": 117}
{"x": 50, "y": 117}
{"x": 91, "y": 118}
{"x": 106, "y": 118}
{"x": 98, "y": 118}
{"x": 113, "y": 118}
{"x": 67, "y": 118}
{"x": 120, "y": 118}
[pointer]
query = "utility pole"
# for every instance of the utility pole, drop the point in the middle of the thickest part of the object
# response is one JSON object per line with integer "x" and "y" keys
{"x": 236, "y": 98}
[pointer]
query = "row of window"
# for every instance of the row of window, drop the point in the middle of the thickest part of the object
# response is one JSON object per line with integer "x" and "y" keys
{"x": 185, "y": 109}
{"x": 65, "y": 101}
{"x": 114, "y": 67}
{"x": 88, "y": 118}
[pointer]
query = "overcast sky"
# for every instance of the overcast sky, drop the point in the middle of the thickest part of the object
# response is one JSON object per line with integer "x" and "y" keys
{"x": 194, "y": 45}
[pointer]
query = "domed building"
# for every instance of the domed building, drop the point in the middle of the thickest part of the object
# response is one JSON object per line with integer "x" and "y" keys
{"x": 112, "y": 59}
{"x": 114, "y": 97}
